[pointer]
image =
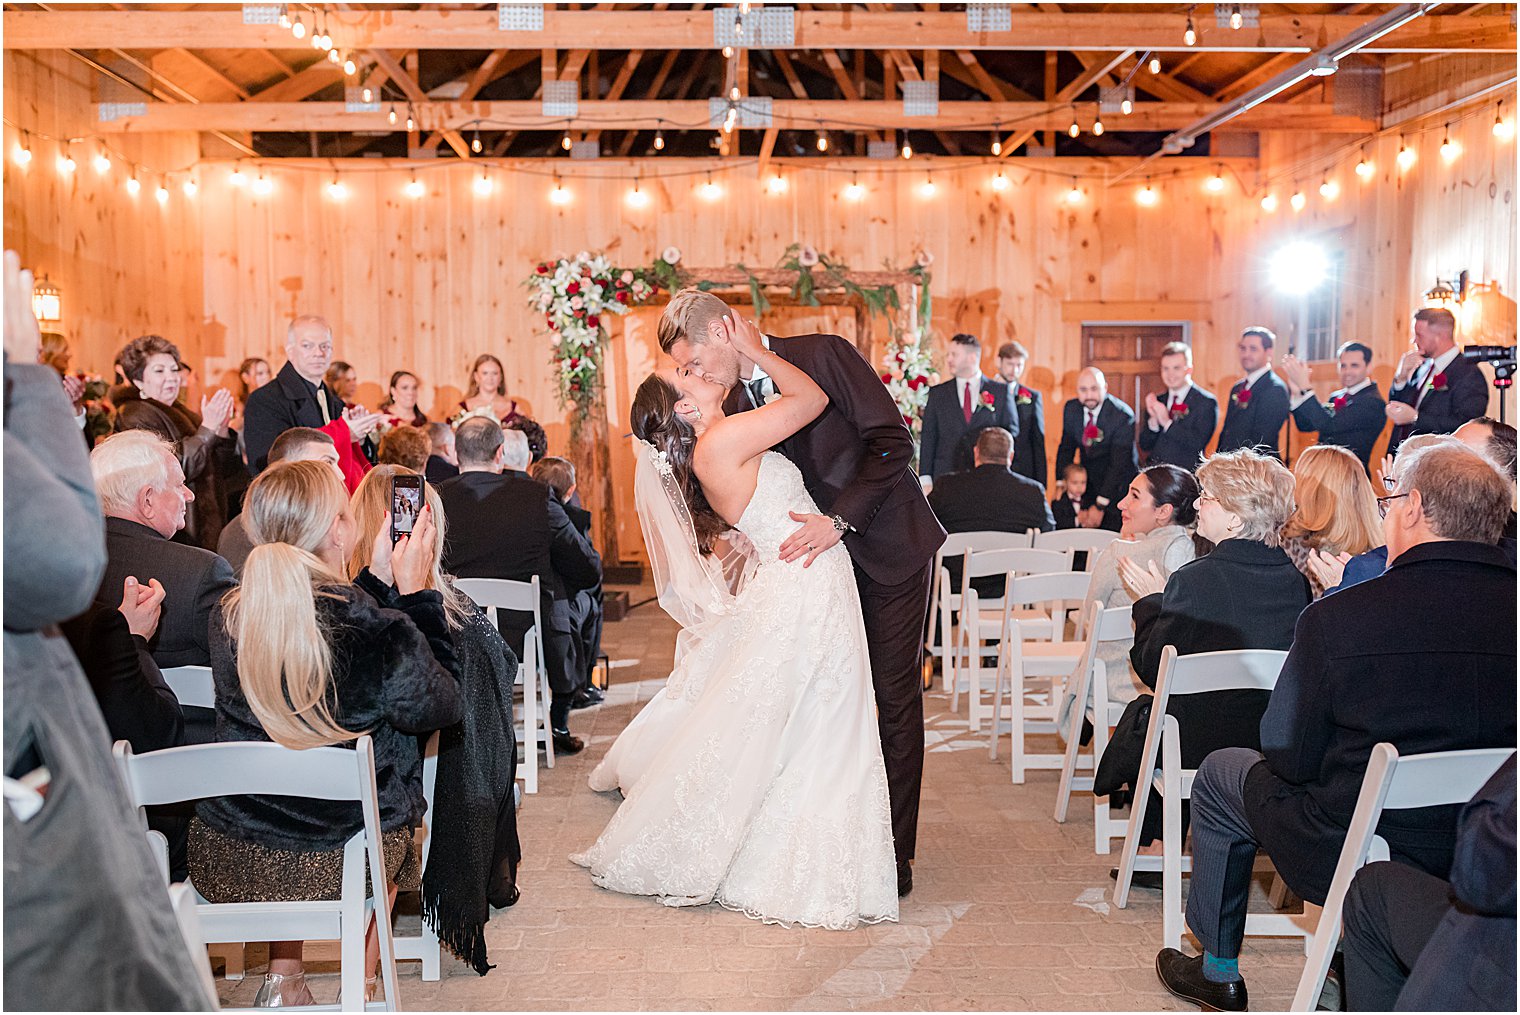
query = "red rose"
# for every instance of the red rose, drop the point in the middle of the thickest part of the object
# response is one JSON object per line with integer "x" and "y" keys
{"x": 987, "y": 399}
{"x": 581, "y": 312}
{"x": 1178, "y": 410}
{"x": 575, "y": 362}
{"x": 886, "y": 378}
{"x": 572, "y": 288}
{"x": 593, "y": 321}
{"x": 1243, "y": 397}
{"x": 622, "y": 297}
{"x": 543, "y": 269}
{"x": 1091, "y": 434}
{"x": 908, "y": 420}
{"x": 586, "y": 272}
{"x": 575, "y": 385}
{"x": 1438, "y": 382}
{"x": 917, "y": 382}
{"x": 1338, "y": 403}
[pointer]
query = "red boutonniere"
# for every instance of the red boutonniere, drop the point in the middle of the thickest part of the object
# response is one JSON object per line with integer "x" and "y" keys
{"x": 1438, "y": 382}
{"x": 1025, "y": 395}
{"x": 987, "y": 399}
{"x": 1179, "y": 410}
{"x": 1091, "y": 435}
{"x": 1338, "y": 403}
{"x": 1242, "y": 397}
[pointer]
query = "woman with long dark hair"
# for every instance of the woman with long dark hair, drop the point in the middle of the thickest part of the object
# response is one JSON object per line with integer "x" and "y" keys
{"x": 401, "y": 399}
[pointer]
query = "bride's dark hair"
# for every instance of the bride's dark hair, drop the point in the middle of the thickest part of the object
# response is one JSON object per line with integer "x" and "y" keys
{"x": 653, "y": 418}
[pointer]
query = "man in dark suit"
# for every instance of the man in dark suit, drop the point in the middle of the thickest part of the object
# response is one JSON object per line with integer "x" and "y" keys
{"x": 1098, "y": 430}
{"x": 989, "y": 498}
{"x": 1177, "y": 431}
{"x": 298, "y": 444}
{"x": 856, "y": 462}
{"x": 299, "y": 396}
{"x": 587, "y": 607}
{"x": 504, "y": 525}
{"x": 960, "y": 408}
{"x": 1259, "y": 401}
{"x": 442, "y": 461}
{"x": 1354, "y": 416}
{"x": 1359, "y": 658}
{"x": 1435, "y": 389}
{"x": 1415, "y": 942}
{"x": 1029, "y": 438}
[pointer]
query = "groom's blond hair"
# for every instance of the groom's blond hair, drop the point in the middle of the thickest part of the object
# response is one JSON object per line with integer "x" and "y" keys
{"x": 687, "y": 316}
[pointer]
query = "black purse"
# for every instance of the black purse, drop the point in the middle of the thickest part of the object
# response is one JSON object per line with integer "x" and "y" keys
{"x": 1120, "y": 765}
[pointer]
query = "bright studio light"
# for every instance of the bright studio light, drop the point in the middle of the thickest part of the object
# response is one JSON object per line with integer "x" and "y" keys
{"x": 415, "y": 188}
{"x": 1299, "y": 268}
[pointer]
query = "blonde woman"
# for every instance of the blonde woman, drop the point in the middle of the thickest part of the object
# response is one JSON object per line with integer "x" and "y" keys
{"x": 488, "y": 390}
{"x": 303, "y": 658}
{"x": 473, "y": 857}
{"x": 1336, "y": 513}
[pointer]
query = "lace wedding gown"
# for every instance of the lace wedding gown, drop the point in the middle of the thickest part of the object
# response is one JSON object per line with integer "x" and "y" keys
{"x": 754, "y": 778}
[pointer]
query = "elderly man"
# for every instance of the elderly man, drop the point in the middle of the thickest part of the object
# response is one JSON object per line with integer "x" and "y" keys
{"x": 1435, "y": 389}
{"x": 1177, "y": 431}
{"x": 143, "y": 495}
{"x": 299, "y": 396}
{"x": 1259, "y": 401}
{"x": 502, "y": 524}
{"x": 1098, "y": 431}
{"x": 1359, "y": 658}
{"x": 298, "y": 444}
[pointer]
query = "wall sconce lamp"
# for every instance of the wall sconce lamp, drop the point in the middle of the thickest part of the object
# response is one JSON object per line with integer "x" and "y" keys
{"x": 47, "y": 302}
{"x": 1448, "y": 293}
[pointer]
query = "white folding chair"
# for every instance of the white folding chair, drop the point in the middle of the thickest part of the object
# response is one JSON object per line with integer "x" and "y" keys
{"x": 1391, "y": 783}
{"x": 945, "y": 602}
{"x": 1073, "y": 541}
{"x": 192, "y": 685}
{"x": 322, "y": 773}
{"x": 1023, "y": 663}
{"x": 425, "y": 946}
{"x": 1091, "y": 695}
{"x": 981, "y": 620}
{"x": 1243, "y": 669}
{"x": 182, "y": 901}
{"x": 491, "y": 595}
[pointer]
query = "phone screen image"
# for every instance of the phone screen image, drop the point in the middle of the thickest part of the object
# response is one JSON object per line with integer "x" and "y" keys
{"x": 406, "y": 503}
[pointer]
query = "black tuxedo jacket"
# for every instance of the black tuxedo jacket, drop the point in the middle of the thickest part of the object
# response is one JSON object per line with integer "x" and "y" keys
{"x": 137, "y": 705}
{"x": 856, "y": 460}
{"x": 1356, "y": 425}
{"x": 1110, "y": 462}
{"x": 1377, "y": 663}
{"x": 284, "y": 402}
{"x": 1063, "y": 512}
{"x": 1465, "y": 397}
{"x": 988, "y": 498}
{"x": 947, "y": 437}
{"x": 1258, "y": 423}
{"x": 1183, "y": 442}
{"x": 1029, "y": 439}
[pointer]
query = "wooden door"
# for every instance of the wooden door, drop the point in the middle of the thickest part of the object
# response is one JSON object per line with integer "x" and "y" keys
{"x": 1130, "y": 357}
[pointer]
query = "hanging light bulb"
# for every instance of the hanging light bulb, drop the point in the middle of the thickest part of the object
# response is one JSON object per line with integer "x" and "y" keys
{"x": 776, "y": 184}
{"x": 728, "y": 52}
{"x": 326, "y": 38}
{"x": 66, "y": 163}
{"x": 297, "y": 29}
{"x": 133, "y": 186}
{"x": 415, "y": 188}
{"x": 636, "y": 197}
{"x": 733, "y": 94}
{"x": 162, "y": 193}
{"x": 368, "y": 94}
{"x": 24, "y": 149}
{"x": 1236, "y": 17}
{"x": 1147, "y": 196}
{"x": 823, "y": 141}
{"x": 1297, "y": 201}
{"x": 1405, "y": 158}
{"x": 482, "y": 184}
{"x": 659, "y": 141}
{"x": 1126, "y": 105}
{"x": 1074, "y": 195}
{"x": 190, "y": 187}
{"x": 1329, "y": 189}
{"x": 102, "y": 163}
{"x": 1363, "y": 167}
{"x": 907, "y": 147}
{"x": 1155, "y": 65}
{"x": 999, "y": 181}
{"x": 475, "y": 144}
{"x": 284, "y": 16}
{"x": 263, "y": 185}
{"x": 337, "y": 190}
{"x": 565, "y": 141}
{"x": 349, "y": 67}
{"x": 391, "y": 116}
{"x": 854, "y": 191}
{"x": 559, "y": 195}
{"x": 1269, "y": 203}
{"x": 1190, "y": 34}
{"x": 1097, "y": 128}
{"x": 710, "y": 190}
{"x": 927, "y": 188}
{"x": 237, "y": 178}
{"x": 1449, "y": 148}
{"x": 1074, "y": 130}
{"x": 333, "y": 56}
{"x": 1215, "y": 184}
{"x": 1503, "y": 129}
{"x": 997, "y": 140}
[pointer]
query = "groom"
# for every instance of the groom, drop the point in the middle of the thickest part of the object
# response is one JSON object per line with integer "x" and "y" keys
{"x": 855, "y": 460}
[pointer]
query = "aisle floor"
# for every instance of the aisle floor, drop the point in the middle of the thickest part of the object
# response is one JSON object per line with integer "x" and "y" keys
{"x": 1009, "y": 911}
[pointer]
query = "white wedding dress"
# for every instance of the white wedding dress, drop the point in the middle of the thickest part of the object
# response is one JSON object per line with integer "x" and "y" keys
{"x": 754, "y": 778}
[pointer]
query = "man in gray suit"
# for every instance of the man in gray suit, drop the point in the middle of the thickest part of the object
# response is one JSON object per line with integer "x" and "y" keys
{"x": 143, "y": 493}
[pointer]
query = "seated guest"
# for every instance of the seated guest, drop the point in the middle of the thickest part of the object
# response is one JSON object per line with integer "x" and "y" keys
{"x": 202, "y": 441}
{"x": 474, "y": 852}
{"x": 1336, "y": 510}
{"x": 507, "y": 526}
{"x": 143, "y": 494}
{"x": 298, "y": 444}
{"x": 1415, "y": 942}
{"x": 990, "y": 497}
{"x": 354, "y": 667}
{"x": 343, "y": 379}
{"x": 587, "y": 608}
{"x": 1245, "y": 593}
{"x": 1488, "y": 436}
{"x": 1355, "y": 415}
{"x": 401, "y": 400}
{"x": 1066, "y": 509}
{"x": 442, "y": 463}
{"x": 1383, "y": 662}
{"x": 538, "y": 441}
{"x": 1176, "y": 431}
{"x": 405, "y": 446}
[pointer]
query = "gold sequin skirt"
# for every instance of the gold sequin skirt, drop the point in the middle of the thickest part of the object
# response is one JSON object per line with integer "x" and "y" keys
{"x": 228, "y": 869}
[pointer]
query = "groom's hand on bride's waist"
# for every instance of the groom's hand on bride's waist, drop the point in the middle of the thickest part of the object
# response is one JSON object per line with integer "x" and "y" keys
{"x": 817, "y": 534}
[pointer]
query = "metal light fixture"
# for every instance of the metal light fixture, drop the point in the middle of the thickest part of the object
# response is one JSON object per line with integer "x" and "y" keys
{"x": 47, "y": 302}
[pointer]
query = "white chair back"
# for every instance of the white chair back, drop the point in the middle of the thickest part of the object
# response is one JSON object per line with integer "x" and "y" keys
{"x": 985, "y": 563}
{"x": 1391, "y": 783}
{"x": 1071, "y": 540}
{"x": 182, "y": 901}
{"x": 425, "y": 946}
{"x": 1091, "y": 691}
{"x": 192, "y": 685}
{"x": 945, "y": 601}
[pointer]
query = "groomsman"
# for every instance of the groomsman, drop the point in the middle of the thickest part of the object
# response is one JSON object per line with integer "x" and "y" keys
{"x": 1354, "y": 417}
{"x": 1258, "y": 402}
{"x": 1177, "y": 430}
{"x": 1098, "y": 430}
{"x": 1029, "y": 444}
{"x": 960, "y": 407}
{"x": 1435, "y": 389}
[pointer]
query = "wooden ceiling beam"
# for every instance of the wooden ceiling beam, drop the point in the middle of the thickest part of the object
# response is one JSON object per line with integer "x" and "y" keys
{"x": 497, "y": 64}
{"x": 304, "y": 84}
{"x": 1255, "y": 76}
{"x": 419, "y": 98}
{"x": 666, "y": 65}
{"x": 438, "y": 27}
{"x": 1096, "y": 70}
{"x": 992, "y": 87}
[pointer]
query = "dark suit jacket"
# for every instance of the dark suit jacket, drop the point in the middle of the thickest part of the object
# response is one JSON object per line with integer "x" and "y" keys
{"x": 1465, "y": 397}
{"x": 1381, "y": 662}
{"x": 134, "y": 700}
{"x": 856, "y": 460}
{"x": 1356, "y": 425}
{"x": 1258, "y": 423}
{"x": 1183, "y": 442}
{"x": 988, "y": 498}
{"x": 1110, "y": 462}
{"x": 439, "y": 468}
{"x": 1241, "y": 595}
{"x": 285, "y": 402}
{"x": 1029, "y": 441}
{"x": 947, "y": 438}
{"x": 1063, "y": 512}
{"x": 194, "y": 581}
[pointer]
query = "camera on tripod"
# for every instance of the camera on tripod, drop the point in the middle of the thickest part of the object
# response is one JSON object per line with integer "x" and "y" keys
{"x": 1501, "y": 356}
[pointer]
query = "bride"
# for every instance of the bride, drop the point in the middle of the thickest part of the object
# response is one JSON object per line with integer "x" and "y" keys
{"x": 754, "y": 778}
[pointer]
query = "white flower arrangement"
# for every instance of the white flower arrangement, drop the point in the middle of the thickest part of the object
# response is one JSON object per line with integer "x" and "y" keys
{"x": 909, "y": 373}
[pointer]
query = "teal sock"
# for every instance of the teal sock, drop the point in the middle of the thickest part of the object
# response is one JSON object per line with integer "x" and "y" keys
{"x": 1217, "y": 970}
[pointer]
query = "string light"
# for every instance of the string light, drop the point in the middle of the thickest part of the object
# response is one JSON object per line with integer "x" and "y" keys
{"x": 1449, "y": 148}
{"x": 1126, "y": 105}
{"x": 1155, "y": 65}
{"x": 415, "y": 188}
{"x": 391, "y": 116}
{"x": 1097, "y": 127}
{"x": 776, "y": 184}
{"x": 483, "y": 184}
{"x": 102, "y": 163}
{"x": 728, "y": 51}
{"x": 999, "y": 181}
{"x": 907, "y": 148}
{"x": 475, "y": 144}
{"x": 1236, "y": 17}
{"x": 1329, "y": 189}
{"x": 368, "y": 94}
{"x": 1363, "y": 166}
{"x": 190, "y": 187}
{"x": 284, "y": 16}
{"x": 636, "y": 197}
{"x": 823, "y": 141}
{"x": 1215, "y": 184}
{"x": 733, "y": 94}
{"x": 24, "y": 149}
{"x": 334, "y": 57}
{"x": 66, "y": 163}
{"x": 997, "y": 140}
{"x": 237, "y": 179}
{"x": 559, "y": 195}
{"x": 411, "y": 120}
{"x": 1406, "y": 157}
{"x": 854, "y": 191}
{"x": 1147, "y": 196}
{"x": 1298, "y": 200}
{"x": 1074, "y": 130}
{"x": 133, "y": 186}
{"x": 659, "y": 141}
{"x": 325, "y": 39}
{"x": 349, "y": 67}
{"x": 263, "y": 185}
{"x": 1074, "y": 195}
{"x": 1190, "y": 34}
{"x": 297, "y": 29}
{"x": 927, "y": 188}
{"x": 1269, "y": 203}
{"x": 162, "y": 193}
{"x": 710, "y": 190}
{"x": 565, "y": 141}
{"x": 337, "y": 190}
{"x": 1503, "y": 129}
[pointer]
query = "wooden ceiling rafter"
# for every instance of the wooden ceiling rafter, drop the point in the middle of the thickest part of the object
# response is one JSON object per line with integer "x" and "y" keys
{"x": 653, "y": 92}
{"x": 409, "y": 85}
{"x": 1096, "y": 70}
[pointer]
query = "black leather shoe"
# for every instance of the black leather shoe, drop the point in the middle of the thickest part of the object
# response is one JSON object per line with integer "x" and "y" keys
{"x": 1183, "y": 975}
{"x": 566, "y": 742}
{"x": 586, "y": 697}
{"x": 904, "y": 878}
{"x": 503, "y": 896}
{"x": 1140, "y": 879}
